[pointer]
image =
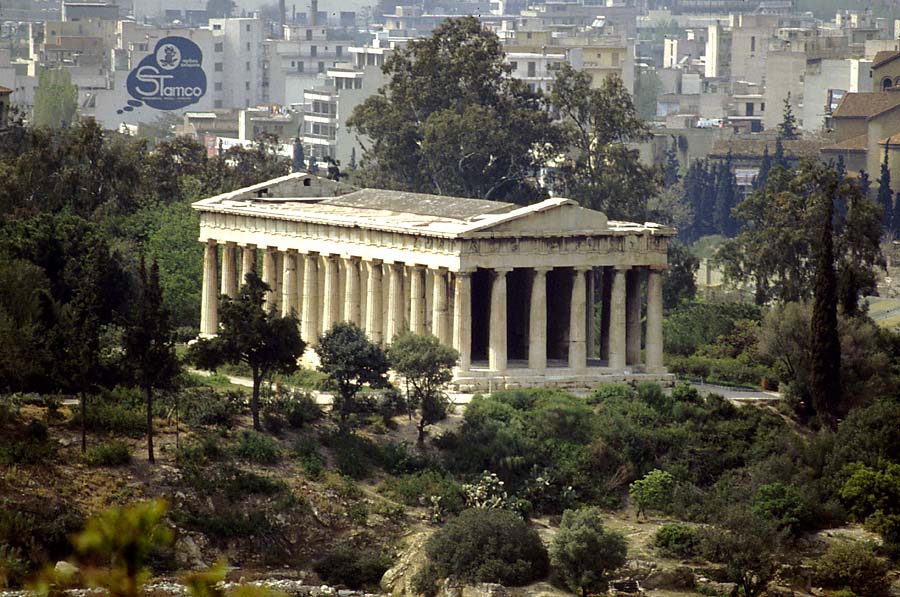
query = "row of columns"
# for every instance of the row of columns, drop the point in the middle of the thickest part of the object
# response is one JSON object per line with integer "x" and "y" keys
{"x": 293, "y": 292}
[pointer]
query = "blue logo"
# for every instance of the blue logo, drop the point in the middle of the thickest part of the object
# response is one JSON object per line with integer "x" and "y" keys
{"x": 170, "y": 78}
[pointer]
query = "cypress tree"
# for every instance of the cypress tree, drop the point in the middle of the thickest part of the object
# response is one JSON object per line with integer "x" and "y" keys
{"x": 671, "y": 175}
{"x": 788, "y": 127}
{"x": 825, "y": 370}
{"x": 885, "y": 195}
{"x": 763, "y": 175}
{"x": 865, "y": 185}
{"x": 778, "y": 159}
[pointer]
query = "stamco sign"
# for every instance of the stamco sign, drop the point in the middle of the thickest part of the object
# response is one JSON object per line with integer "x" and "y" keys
{"x": 170, "y": 78}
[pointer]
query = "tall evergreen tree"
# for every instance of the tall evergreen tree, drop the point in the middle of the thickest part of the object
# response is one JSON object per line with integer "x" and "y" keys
{"x": 788, "y": 128}
{"x": 725, "y": 197}
{"x": 764, "y": 167}
{"x": 671, "y": 175}
{"x": 150, "y": 345}
{"x": 885, "y": 195}
{"x": 778, "y": 159}
{"x": 825, "y": 370}
{"x": 55, "y": 99}
{"x": 865, "y": 185}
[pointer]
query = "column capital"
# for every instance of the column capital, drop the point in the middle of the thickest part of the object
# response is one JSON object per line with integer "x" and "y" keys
{"x": 415, "y": 266}
{"x": 583, "y": 268}
{"x": 622, "y": 268}
{"x": 209, "y": 242}
{"x": 247, "y": 245}
{"x": 372, "y": 260}
{"x": 657, "y": 268}
{"x": 502, "y": 270}
{"x": 463, "y": 271}
{"x": 349, "y": 257}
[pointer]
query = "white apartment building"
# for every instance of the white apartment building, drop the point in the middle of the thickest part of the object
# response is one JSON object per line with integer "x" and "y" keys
{"x": 538, "y": 69}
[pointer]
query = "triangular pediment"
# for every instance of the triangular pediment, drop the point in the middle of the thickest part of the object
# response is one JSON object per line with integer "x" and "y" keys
{"x": 548, "y": 217}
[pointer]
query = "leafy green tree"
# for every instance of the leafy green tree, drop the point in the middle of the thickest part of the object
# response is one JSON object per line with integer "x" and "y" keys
{"x": 853, "y": 565}
{"x": 747, "y": 545}
{"x": 781, "y": 503}
{"x": 451, "y": 121}
{"x": 427, "y": 365}
{"x": 351, "y": 361}
{"x": 671, "y": 174}
{"x": 646, "y": 93}
{"x": 123, "y": 540}
{"x": 487, "y": 545}
{"x": 679, "y": 283}
{"x": 787, "y": 128}
{"x": 149, "y": 345}
{"x": 55, "y": 99}
{"x": 825, "y": 345}
{"x": 603, "y": 173}
{"x": 652, "y": 492}
{"x": 262, "y": 340}
{"x": 583, "y": 553}
{"x": 886, "y": 195}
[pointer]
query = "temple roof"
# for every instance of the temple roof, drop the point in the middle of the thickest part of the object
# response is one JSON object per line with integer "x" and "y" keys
{"x": 306, "y": 198}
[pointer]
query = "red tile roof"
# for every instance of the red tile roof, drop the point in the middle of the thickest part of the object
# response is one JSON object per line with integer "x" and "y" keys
{"x": 866, "y": 105}
{"x": 883, "y": 57}
{"x": 860, "y": 143}
{"x": 5, "y": 89}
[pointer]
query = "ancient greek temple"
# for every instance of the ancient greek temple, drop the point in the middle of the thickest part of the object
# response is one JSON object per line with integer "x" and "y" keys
{"x": 551, "y": 293}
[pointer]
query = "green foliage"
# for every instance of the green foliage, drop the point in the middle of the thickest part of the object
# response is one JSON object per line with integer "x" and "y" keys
{"x": 124, "y": 539}
{"x": 695, "y": 324}
{"x": 583, "y": 553}
{"x": 427, "y": 366}
{"x": 678, "y": 279}
{"x": 225, "y": 526}
{"x": 487, "y": 545}
{"x": 788, "y": 128}
{"x": 55, "y": 99}
{"x": 351, "y": 361}
{"x": 111, "y": 413}
{"x": 307, "y": 449}
{"x": 264, "y": 341}
{"x": 423, "y": 488}
{"x": 13, "y": 568}
{"x": 611, "y": 391}
{"x": 296, "y": 410}
{"x": 652, "y": 492}
{"x": 855, "y": 566}
{"x": 725, "y": 371}
{"x": 202, "y": 449}
{"x": 354, "y": 567}
{"x": 449, "y": 96}
{"x": 780, "y": 503}
{"x": 746, "y": 545}
{"x": 111, "y": 454}
{"x": 598, "y": 122}
{"x": 676, "y": 540}
{"x": 206, "y": 406}
{"x": 257, "y": 448}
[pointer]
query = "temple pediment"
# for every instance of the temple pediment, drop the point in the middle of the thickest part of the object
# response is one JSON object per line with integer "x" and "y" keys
{"x": 547, "y": 218}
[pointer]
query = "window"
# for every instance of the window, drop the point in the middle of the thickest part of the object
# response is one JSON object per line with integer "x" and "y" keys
{"x": 615, "y": 59}
{"x": 313, "y": 51}
{"x": 357, "y": 83}
{"x": 247, "y": 64}
{"x": 532, "y": 68}
{"x": 247, "y": 85}
{"x": 142, "y": 47}
{"x": 514, "y": 65}
{"x": 752, "y": 43}
{"x": 248, "y": 46}
{"x": 217, "y": 67}
{"x": 219, "y": 46}
{"x": 338, "y": 51}
{"x": 748, "y": 109}
{"x": 308, "y": 34}
{"x": 762, "y": 107}
{"x": 217, "y": 104}
{"x": 293, "y": 64}
{"x": 300, "y": 67}
{"x": 218, "y": 86}
{"x": 248, "y": 28}
{"x": 217, "y": 27}
{"x": 321, "y": 67}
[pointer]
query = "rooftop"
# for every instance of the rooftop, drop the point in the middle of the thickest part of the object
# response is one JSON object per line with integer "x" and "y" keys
{"x": 306, "y": 198}
{"x": 867, "y": 105}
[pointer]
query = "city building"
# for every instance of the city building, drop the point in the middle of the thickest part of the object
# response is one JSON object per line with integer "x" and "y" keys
{"x": 5, "y": 92}
{"x": 511, "y": 288}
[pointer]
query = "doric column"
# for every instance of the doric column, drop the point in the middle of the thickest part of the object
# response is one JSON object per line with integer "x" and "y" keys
{"x": 617, "y": 320}
{"x": 279, "y": 280}
{"x": 289, "y": 284}
{"x": 605, "y": 312}
{"x": 209, "y": 303}
{"x": 589, "y": 315}
{"x": 654, "y": 321}
{"x": 439, "y": 307}
{"x": 395, "y": 302}
{"x": 633, "y": 317}
{"x": 497, "y": 344}
{"x": 229, "y": 275}
{"x": 269, "y": 277}
{"x": 577, "y": 319}
{"x": 417, "y": 299}
{"x": 462, "y": 318}
{"x": 248, "y": 262}
{"x": 374, "y": 313}
{"x": 537, "y": 321}
{"x": 309, "y": 329}
{"x": 351, "y": 290}
{"x": 331, "y": 304}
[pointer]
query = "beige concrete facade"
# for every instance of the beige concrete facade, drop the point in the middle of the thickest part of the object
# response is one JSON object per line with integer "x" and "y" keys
{"x": 512, "y": 288}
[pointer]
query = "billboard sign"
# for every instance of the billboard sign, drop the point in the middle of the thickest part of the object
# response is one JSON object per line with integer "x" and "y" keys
{"x": 169, "y": 78}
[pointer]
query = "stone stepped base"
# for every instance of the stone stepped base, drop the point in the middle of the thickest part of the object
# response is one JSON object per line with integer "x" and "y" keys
{"x": 488, "y": 381}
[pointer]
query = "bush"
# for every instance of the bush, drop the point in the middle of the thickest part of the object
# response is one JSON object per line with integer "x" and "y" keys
{"x": 487, "y": 545}
{"x": 287, "y": 409}
{"x": 203, "y": 449}
{"x": 418, "y": 489}
{"x": 26, "y": 451}
{"x": 353, "y": 455}
{"x": 653, "y": 492}
{"x": 258, "y": 448}
{"x": 236, "y": 483}
{"x": 307, "y": 449}
{"x": 225, "y": 526}
{"x": 206, "y": 406}
{"x": 855, "y": 566}
{"x": 780, "y": 503}
{"x": 107, "y": 414}
{"x": 13, "y": 567}
{"x": 111, "y": 454}
{"x": 606, "y": 391}
{"x": 584, "y": 553}
{"x": 692, "y": 325}
{"x": 353, "y": 567}
{"x": 676, "y": 540}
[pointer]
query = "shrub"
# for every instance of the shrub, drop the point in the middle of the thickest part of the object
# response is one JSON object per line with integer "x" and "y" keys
{"x": 397, "y": 459}
{"x": 354, "y": 567}
{"x": 111, "y": 454}
{"x": 780, "y": 503}
{"x": 206, "y": 406}
{"x": 227, "y": 525}
{"x": 307, "y": 449}
{"x": 855, "y": 566}
{"x": 236, "y": 483}
{"x": 606, "y": 391}
{"x": 203, "y": 449}
{"x": 487, "y": 545}
{"x": 583, "y": 553}
{"x": 105, "y": 414}
{"x": 418, "y": 489}
{"x": 676, "y": 540}
{"x": 353, "y": 454}
{"x": 653, "y": 492}
{"x": 692, "y": 325}
{"x": 26, "y": 451}
{"x": 13, "y": 567}
{"x": 258, "y": 448}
